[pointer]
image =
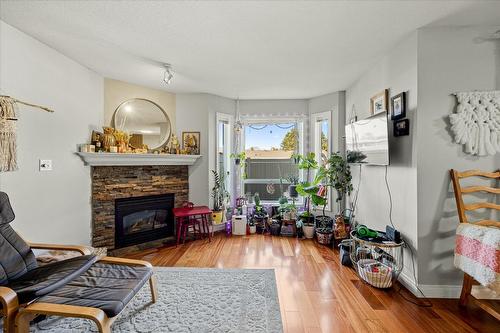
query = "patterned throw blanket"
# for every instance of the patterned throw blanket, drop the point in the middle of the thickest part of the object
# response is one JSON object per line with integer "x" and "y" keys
{"x": 477, "y": 253}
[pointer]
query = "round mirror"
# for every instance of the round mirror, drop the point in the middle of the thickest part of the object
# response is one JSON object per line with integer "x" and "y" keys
{"x": 146, "y": 122}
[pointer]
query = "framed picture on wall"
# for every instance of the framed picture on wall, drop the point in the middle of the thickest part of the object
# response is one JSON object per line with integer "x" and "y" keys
{"x": 191, "y": 142}
{"x": 380, "y": 102}
{"x": 398, "y": 106}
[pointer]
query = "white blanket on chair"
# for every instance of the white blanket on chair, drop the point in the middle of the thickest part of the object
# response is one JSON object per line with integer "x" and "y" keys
{"x": 477, "y": 253}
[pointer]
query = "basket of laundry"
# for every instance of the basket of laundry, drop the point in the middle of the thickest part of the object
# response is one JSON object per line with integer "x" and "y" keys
{"x": 377, "y": 262}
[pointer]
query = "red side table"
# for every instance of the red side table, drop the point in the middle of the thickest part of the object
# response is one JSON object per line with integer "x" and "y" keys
{"x": 190, "y": 216}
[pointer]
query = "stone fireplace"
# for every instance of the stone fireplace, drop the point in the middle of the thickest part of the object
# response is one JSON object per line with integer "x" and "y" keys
{"x": 131, "y": 205}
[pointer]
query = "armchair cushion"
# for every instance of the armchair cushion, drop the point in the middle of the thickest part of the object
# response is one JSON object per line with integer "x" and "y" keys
{"x": 108, "y": 287}
{"x": 44, "y": 279}
{"x": 16, "y": 257}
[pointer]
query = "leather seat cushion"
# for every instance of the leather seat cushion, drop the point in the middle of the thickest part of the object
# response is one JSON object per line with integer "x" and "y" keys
{"x": 108, "y": 287}
{"x": 44, "y": 279}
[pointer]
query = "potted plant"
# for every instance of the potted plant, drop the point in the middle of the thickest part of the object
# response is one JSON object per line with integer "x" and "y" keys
{"x": 259, "y": 215}
{"x": 240, "y": 159}
{"x": 307, "y": 189}
{"x": 292, "y": 188}
{"x": 252, "y": 227}
{"x": 220, "y": 196}
{"x": 339, "y": 177}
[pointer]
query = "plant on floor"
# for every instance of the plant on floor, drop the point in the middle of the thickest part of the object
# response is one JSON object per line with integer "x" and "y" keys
{"x": 220, "y": 196}
{"x": 259, "y": 215}
{"x": 338, "y": 176}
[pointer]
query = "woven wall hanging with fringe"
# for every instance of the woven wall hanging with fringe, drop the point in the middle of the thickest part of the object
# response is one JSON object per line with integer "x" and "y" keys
{"x": 8, "y": 131}
{"x": 476, "y": 124}
{"x": 8, "y": 149}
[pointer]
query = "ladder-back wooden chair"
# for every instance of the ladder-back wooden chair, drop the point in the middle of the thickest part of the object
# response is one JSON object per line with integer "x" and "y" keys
{"x": 462, "y": 209}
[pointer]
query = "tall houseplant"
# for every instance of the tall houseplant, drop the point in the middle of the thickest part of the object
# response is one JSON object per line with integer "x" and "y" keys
{"x": 220, "y": 196}
{"x": 308, "y": 189}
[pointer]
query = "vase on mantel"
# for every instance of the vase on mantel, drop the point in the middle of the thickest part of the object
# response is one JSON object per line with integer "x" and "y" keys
{"x": 108, "y": 138}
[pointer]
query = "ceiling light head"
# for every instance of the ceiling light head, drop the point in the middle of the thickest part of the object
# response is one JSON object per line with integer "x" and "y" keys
{"x": 169, "y": 74}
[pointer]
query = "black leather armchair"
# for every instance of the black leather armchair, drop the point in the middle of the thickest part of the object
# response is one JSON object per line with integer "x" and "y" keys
{"x": 28, "y": 290}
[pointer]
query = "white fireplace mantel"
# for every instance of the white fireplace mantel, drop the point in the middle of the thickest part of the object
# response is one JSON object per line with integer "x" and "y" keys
{"x": 114, "y": 159}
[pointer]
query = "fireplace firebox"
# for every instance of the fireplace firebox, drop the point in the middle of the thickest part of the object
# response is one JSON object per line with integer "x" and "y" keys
{"x": 143, "y": 219}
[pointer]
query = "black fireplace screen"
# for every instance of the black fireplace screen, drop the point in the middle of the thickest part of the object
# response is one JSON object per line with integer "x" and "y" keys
{"x": 143, "y": 219}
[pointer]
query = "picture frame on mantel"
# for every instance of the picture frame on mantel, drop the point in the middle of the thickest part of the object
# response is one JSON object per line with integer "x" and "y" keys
{"x": 191, "y": 143}
{"x": 398, "y": 106}
{"x": 379, "y": 102}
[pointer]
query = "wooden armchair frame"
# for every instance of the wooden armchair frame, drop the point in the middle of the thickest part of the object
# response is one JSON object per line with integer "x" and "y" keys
{"x": 18, "y": 316}
{"x": 462, "y": 208}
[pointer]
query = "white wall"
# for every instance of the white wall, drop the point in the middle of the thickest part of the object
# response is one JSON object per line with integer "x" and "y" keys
{"x": 449, "y": 60}
{"x": 50, "y": 206}
{"x": 397, "y": 71}
{"x": 274, "y": 106}
{"x": 197, "y": 112}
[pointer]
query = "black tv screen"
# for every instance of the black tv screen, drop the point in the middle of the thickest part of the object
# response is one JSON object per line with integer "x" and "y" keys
{"x": 367, "y": 141}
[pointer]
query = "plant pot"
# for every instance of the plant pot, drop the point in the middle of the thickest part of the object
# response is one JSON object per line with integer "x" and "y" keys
{"x": 275, "y": 229}
{"x": 308, "y": 230}
{"x": 324, "y": 235}
{"x": 323, "y": 221}
{"x": 217, "y": 217}
{"x": 292, "y": 191}
{"x": 253, "y": 229}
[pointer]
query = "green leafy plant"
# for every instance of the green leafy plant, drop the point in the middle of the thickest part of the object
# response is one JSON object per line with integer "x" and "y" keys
{"x": 240, "y": 159}
{"x": 308, "y": 189}
{"x": 338, "y": 176}
{"x": 219, "y": 192}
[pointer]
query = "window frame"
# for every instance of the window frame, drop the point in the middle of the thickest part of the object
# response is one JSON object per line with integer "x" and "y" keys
{"x": 316, "y": 144}
{"x": 301, "y": 126}
{"x": 229, "y": 136}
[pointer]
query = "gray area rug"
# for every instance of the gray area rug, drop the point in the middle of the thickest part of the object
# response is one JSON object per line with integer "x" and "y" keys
{"x": 194, "y": 300}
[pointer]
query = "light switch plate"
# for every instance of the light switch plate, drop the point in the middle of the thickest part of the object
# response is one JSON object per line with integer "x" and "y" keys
{"x": 45, "y": 165}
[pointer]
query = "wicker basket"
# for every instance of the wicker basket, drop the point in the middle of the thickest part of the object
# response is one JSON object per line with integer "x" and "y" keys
{"x": 375, "y": 273}
{"x": 377, "y": 263}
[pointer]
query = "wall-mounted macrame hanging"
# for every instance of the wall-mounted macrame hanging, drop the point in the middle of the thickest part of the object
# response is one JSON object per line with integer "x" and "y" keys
{"x": 8, "y": 119}
{"x": 476, "y": 124}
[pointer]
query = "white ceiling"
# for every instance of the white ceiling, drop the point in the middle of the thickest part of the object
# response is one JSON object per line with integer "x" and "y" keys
{"x": 254, "y": 50}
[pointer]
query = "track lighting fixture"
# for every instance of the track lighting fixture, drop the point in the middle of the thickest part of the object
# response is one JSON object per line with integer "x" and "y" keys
{"x": 169, "y": 74}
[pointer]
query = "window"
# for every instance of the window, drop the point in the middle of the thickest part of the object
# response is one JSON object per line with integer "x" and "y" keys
{"x": 224, "y": 144}
{"x": 269, "y": 146}
{"x": 321, "y": 140}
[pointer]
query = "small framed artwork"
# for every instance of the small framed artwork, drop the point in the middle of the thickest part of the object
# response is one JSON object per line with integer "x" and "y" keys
{"x": 398, "y": 106}
{"x": 380, "y": 102}
{"x": 191, "y": 142}
{"x": 402, "y": 127}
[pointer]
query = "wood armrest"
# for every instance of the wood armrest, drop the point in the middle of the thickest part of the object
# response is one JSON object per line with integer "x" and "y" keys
{"x": 64, "y": 310}
{"x": 124, "y": 261}
{"x": 8, "y": 298}
{"x": 84, "y": 250}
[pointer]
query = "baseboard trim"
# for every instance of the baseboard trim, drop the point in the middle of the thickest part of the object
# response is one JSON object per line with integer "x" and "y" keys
{"x": 438, "y": 291}
{"x": 429, "y": 291}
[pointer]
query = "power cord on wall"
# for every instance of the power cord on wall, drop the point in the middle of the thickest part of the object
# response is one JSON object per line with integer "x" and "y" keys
{"x": 426, "y": 302}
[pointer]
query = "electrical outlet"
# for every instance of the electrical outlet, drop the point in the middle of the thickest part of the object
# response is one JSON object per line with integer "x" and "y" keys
{"x": 45, "y": 165}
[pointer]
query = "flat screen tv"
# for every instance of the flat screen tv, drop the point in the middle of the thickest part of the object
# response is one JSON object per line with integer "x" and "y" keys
{"x": 367, "y": 141}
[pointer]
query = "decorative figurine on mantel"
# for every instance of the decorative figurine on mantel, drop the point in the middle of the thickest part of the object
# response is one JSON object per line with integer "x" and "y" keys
{"x": 173, "y": 145}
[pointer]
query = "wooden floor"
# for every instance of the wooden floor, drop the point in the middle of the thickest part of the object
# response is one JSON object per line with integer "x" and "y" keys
{"x": 317, "y": 294}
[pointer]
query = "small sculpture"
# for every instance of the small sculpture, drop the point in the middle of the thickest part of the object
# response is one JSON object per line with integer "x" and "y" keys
{"x": 173, "y": 145}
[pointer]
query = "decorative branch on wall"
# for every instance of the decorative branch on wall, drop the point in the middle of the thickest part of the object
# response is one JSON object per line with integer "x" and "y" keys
{"x": 477, "y": 122}
{"x": 8, "y": 118}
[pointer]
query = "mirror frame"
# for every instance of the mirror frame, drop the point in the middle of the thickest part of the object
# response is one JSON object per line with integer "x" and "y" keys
{"x": 164, "y": 142}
